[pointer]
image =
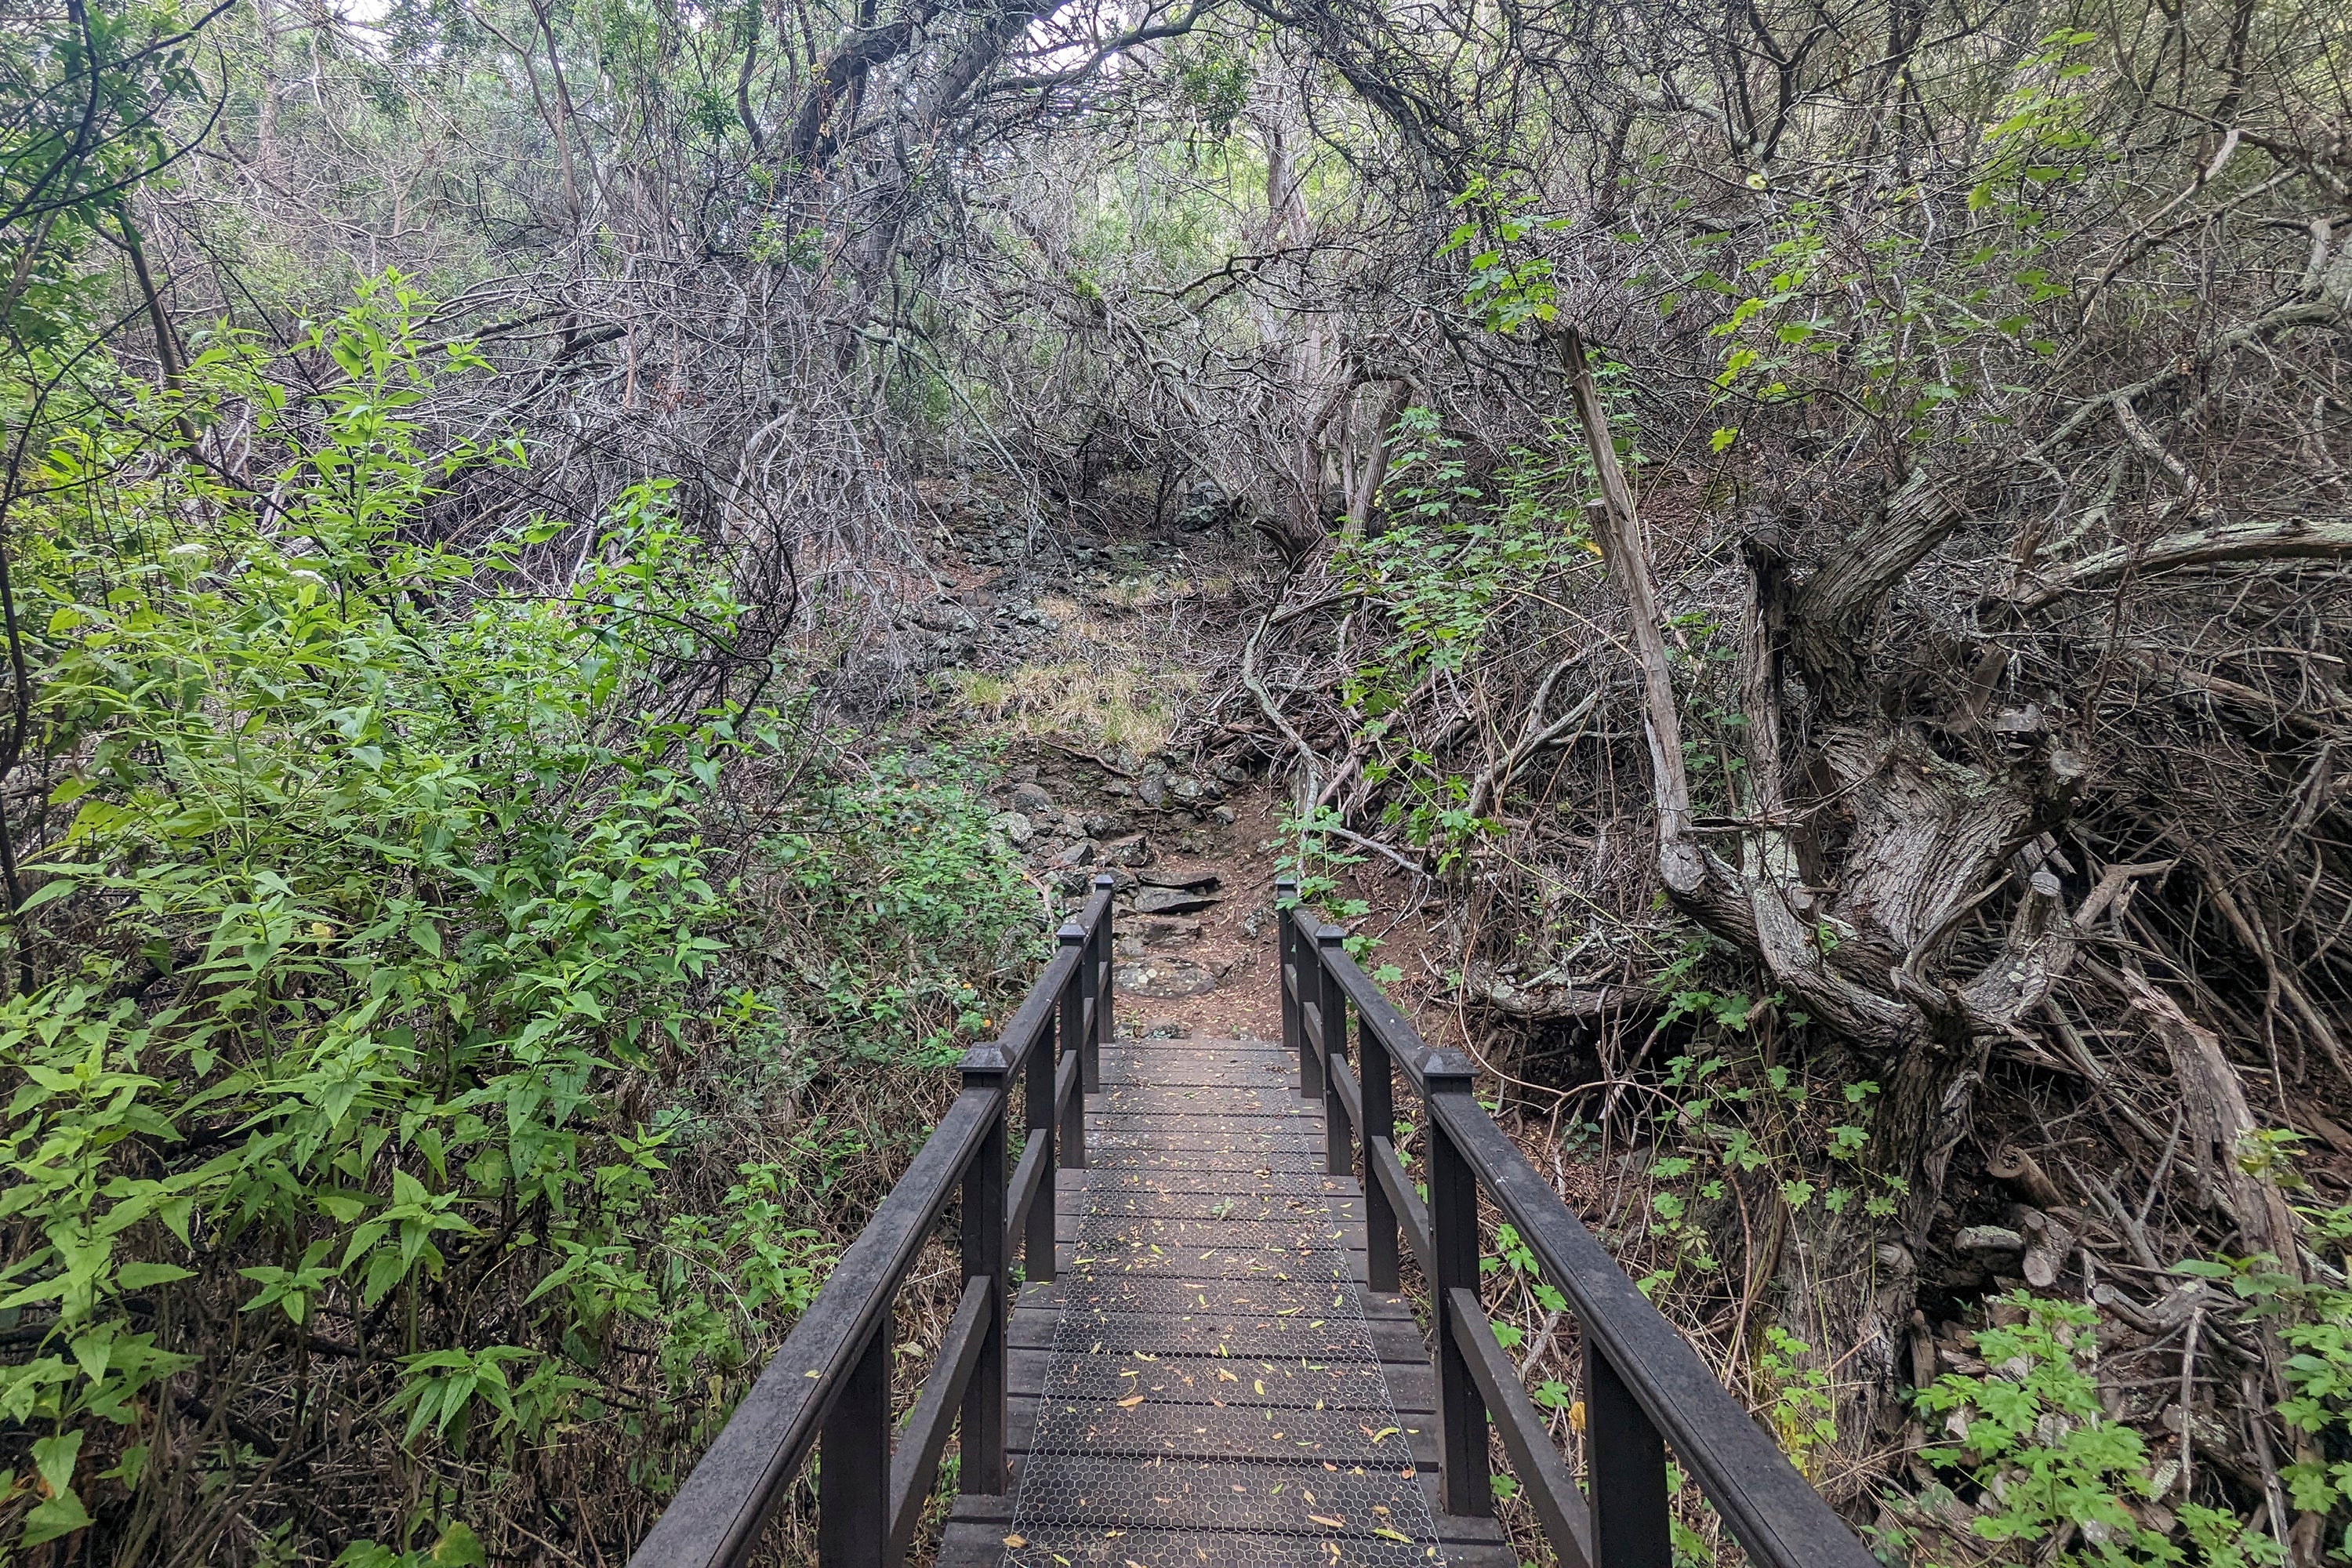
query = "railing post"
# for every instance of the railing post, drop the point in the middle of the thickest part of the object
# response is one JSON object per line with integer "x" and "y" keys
{"x": 1290, "y": 974}
{"x": 1070, "y": 1023}
{"x": 1453, "y": 1238}
{"x": 853, "y": 1498}
{"x": 1379, "y": 1083}
{"x": 1624, "y": 1470}
{"x": 1037, "y": 1237}
{"x": 1332, "y": 1049}
{"x": 981, "y": 1429}
{"x": 1101, "y": 965}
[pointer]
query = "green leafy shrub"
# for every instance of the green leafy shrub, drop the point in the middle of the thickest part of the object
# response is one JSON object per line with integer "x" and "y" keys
{"x": 1453, "y": 557}
{"x": 2046, "y": 1474}
{"x": 2313, "y": 1321}
{"x": 367, "y": 982}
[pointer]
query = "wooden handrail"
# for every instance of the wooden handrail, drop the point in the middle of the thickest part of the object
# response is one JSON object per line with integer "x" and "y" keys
{"x": 830, "y": 1380}
{"x": 1646, "y": 1388}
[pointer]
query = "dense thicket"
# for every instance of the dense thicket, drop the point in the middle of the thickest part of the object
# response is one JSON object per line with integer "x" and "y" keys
{"x": 1816, "y": 530}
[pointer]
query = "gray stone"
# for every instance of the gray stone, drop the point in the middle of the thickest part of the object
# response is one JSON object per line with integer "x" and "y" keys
{"x": 1170, "y": 901}
{"x": 1132, "y": 850}
{"x": 1083, "y": 853}
{"x": 1170, "y": 933}
{"x": 1099, "y": 825}
{"x": 1184, "y": 787}
{"x": 1168, "y": 876}
{"x": 1016, "y": 828}
{"x": 1223, "y": 816}
{"x": 1164, "y": 978}
{"x": 1151, "y": 789}
{"x": 1032, "y": 799}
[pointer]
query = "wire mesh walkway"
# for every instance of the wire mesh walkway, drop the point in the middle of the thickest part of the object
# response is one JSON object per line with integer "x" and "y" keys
{"x": 1207, "y": 1381}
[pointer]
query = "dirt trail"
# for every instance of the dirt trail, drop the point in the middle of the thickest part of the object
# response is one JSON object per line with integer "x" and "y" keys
{"x": 1086, "y": 658}
{"x": 1083, "y": 658}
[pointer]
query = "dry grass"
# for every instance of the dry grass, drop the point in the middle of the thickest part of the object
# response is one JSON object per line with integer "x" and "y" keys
{"x": 1121, "y": 705}
{"x": 1108, "y": 693}
{"x": 1155, "y": 589}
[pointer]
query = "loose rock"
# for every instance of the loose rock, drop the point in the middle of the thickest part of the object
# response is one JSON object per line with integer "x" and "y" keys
{"x": 1151, "y": 900}
{"x": 1164, "y": 978}
{"x": 1169, "y": 876}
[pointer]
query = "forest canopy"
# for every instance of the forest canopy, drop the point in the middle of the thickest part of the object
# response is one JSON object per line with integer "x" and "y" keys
{"x": 1808, "y": 537}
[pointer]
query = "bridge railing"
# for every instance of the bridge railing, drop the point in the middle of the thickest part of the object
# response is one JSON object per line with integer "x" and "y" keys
{"x": 828, "y": 1388}
{"x": 1645, "y": 1389}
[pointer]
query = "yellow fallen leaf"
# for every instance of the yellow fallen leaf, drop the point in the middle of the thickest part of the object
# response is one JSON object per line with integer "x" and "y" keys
{"x": 1260, "y": 1384}
{"x": 1130, "y": 1402}
{"x": 1328, "y": 1521}
{"x": 1224, "y": 1377}
{"x": 1385, "y": 1533}
{"x": 1014, "y": 1540}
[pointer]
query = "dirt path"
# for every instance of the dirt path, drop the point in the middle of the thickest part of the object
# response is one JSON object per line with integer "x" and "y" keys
{"x": 1083, "y": 659}
{"x": 1086, "y": 660}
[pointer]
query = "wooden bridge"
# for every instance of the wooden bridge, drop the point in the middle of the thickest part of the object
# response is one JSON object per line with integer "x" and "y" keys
{"x": 1208, "y": 1361}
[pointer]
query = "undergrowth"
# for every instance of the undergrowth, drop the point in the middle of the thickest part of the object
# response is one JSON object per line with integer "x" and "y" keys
{"x": 442, "y": 1068}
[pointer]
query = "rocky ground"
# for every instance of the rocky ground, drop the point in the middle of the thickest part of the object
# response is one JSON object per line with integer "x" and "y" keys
{"x": 1080, "y": 657}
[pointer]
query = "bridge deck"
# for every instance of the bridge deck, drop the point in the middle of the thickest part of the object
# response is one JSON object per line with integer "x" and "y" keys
{"x": 1208, "y": 1381}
